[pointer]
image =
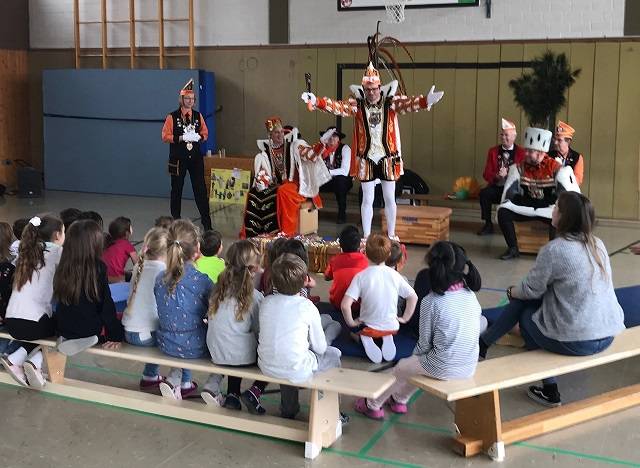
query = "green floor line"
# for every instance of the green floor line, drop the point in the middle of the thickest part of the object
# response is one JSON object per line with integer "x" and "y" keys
{"x": 425, "y": 427}
{"x": 573, "y": 453}
{"x": 344, "y": 453}
{"x": 106, "y": 370}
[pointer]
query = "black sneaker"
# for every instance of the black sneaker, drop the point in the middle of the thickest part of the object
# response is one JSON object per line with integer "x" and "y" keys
{"x": 252, "y": 402}
{"x": 547, "y": 395}
{"x": 486, "y": 230}
{"x": 232, "y": 401}
{"x": 511, "y": 252}
{"x": 344, "y": 418}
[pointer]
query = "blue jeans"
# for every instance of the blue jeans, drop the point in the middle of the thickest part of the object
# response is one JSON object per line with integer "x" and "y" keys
{"x": 133, "y": 338}
{"x": 521, "y": 312}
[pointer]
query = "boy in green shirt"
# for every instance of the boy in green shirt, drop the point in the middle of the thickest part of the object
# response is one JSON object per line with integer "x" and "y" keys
{"x": 210, "y": 263}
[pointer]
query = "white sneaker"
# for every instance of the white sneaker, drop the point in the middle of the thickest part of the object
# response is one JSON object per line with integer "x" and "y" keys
{"x": 34, "y": 375}
{"x": 212, "y": 399}
{"x": 371, "y": 349}
{"x": 17, "y": 372}
{"x": 388, "y": 348}
{"x": 170, "y": 392}
{"x": 75, "y": 346}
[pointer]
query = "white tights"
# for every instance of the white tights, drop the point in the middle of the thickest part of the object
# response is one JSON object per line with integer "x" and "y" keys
{"x": 366, "y": 209}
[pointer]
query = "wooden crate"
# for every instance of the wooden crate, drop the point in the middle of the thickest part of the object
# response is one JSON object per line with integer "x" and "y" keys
{"x": 532, "y": 235}
{"x": 308, "y": 220}
{"x": 421, "y": 224}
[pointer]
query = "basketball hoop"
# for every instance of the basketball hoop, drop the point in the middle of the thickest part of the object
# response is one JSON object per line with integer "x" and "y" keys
{"x": 395, "y": 10}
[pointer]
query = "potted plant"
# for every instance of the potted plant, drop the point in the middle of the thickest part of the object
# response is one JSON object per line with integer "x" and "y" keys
{"x": 541, "y": 92}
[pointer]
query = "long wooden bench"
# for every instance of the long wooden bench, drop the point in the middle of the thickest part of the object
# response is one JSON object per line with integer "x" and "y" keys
{"x": 477, "y": 410}
{"x": 322, "y": 429}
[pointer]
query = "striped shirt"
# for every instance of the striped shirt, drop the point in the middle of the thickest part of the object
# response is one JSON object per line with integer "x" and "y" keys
{"x": 449, "y": 334}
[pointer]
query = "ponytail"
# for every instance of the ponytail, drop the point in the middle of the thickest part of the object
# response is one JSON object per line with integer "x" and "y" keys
{"x": 154, "y": 246}
{"x": 447, "y": 262}
{"x": 134, "y": 284}
{"x": 36, "y": 233}
{"x": 472, "y": 279}
{"x": 182, "y": 241}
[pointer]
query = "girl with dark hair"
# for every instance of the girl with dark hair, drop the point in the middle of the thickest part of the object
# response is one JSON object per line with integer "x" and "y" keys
{"x": 449, "y": 329}
{"x": 80, "y": 286}
{"x": 6, "y": 268}
{"x": 566, "y": 304}
{"x": 29, "y": 311}
{"x": 118, "y": 249}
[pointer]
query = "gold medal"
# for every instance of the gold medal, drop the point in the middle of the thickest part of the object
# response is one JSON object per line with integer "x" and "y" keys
{"x": 189, "y": 146}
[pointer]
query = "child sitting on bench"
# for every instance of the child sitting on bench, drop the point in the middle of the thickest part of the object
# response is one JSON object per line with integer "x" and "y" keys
{"x": 292, "y": 344}
{"x": 449, "y": 330}
{"x": 378, "y": 288}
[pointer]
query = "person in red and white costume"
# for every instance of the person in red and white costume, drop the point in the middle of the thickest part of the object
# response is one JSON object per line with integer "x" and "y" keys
{"x": 499, "y": 160}
{"x": 377, "y": 153}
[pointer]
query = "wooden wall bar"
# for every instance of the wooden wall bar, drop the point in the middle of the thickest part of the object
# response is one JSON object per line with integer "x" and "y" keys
{"x": 14, "y": 112}
{"x": 452, "y": 139}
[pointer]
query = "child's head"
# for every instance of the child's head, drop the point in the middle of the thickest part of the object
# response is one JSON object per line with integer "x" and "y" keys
{"x": 154, "y": 248}
{"x": 39, "y": 229}
{"x": 119, "y": 228}
{"x": 164, "y": 221}
{"x": 274, "y": 250}
{"x": 182, "y": 247}
{"x": 69, "y": 215}
{"x": 349, "y": 239}
{"x": 211, "y": 243}
{"x": 378, "y": 248}
{"x": 396, "y": 259}
{"x": 288, "y": 274}
{"x": 296, "y": 247}
{"x": 6, "y": 238}
{"x": 93, "y": 216}
{"x": 447, "y": 262}
{"x": 77, "y": 272}
{"x": 236, "y": 280}
{"x": 18, "y": 227}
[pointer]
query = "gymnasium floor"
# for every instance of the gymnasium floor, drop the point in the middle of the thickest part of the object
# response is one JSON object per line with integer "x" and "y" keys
{"x": 45, "y": 431}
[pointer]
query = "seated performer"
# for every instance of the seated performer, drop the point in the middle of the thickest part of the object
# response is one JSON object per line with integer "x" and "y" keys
{"x": 499, "y": 159}
{"x": 270, "y": 209}
{"x": 376, "y": 138}
{"x": 563, "y": 153}
{"x": 337, "y": 157}
{"x": 532, "y": 187}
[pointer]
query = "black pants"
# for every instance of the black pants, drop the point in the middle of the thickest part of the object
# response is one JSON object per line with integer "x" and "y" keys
{"x": 21, "y": 329}
{"x": 289, "y": 401}
{"x": 233, "y": 385}
{"x": 506, "y": 219}
{"x": 195, "y": 166}
{"x": 340, "y": 185}
{"x": 490, "y": 195}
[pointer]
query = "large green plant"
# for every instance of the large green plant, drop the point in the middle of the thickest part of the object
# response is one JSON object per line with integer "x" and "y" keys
{"x": 541, "y": 92}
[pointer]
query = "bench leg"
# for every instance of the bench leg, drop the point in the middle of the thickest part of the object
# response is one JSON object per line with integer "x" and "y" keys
{"x": 480, "y": 426}
{"x": 56, "y": 363}
{"x": 324, "y": 424}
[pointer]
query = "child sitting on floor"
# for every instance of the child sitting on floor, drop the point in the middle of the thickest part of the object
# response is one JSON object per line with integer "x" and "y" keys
{"x": 29, "y": 312}
{"x": 292, "y": 344}
{"x": 449, "y": 330}
{"x": 210, "y": 262}
{"x": 140, "y": 318}
{"x": 163, "y": 221}
{"x": 182, "y": 297}
{"x": 378, "y": 288}
{"x": 85, "y": 314}
{"x": 118, "y": 249}
{"x": 232, "y": 336}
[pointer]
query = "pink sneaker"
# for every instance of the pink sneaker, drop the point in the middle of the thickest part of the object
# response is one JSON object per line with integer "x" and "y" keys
{"x": 151, "y": 386}
{"x": 191, "y": 392}
{"x": 398, "y": 408}
{"x": 17, "y": 372}
{"x": 362, "y": 407}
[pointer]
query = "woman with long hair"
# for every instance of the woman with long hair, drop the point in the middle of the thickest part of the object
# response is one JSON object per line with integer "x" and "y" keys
{"x": 566, "y": 304}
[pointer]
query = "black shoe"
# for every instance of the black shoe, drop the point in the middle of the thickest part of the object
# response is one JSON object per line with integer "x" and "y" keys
{"x": 482, "y": 353}
{"x": 511, "y": 252}
{"x": 232, "y": 402}
{"x": 486, "y": 230}
{"x": 252, "y": 402}
{"x": 344, "y": 418}
{"x": 547, "y": 395}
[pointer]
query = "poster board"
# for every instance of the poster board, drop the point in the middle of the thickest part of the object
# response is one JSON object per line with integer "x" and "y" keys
{"x": 229, "y": 186}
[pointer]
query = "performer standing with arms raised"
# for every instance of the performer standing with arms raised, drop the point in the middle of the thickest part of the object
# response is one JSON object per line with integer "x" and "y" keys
{"x": 183, "y": 129}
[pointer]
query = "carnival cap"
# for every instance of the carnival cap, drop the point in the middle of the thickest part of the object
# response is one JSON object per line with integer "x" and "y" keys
{"x": 564, "y": 130}
{"x": 335, "y": 132}
{"x": 273, "y": 123}
{"x": 371, "y": 76}
{"x": 537, "y": 139}
{"x": 507, "y": 124}
{"x": 187, "y": 89}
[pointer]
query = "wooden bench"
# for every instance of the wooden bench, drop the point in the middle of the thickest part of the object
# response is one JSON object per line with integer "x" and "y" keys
{"x": 322, "y": 429}
{"x": 531, "y": 235}
{"x": 477, "y": 412}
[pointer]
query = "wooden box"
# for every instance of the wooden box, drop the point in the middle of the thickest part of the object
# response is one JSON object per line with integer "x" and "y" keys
{"x": 421, "y": 224}
{"x": 532, "y": 235}
{"x": 308, "y": 220}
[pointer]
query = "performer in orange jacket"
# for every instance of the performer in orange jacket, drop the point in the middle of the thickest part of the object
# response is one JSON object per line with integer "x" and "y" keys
{"x": 563, "y": 153}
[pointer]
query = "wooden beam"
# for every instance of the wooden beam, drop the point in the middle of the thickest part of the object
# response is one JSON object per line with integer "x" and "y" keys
{"x": 132, "y": 33}
{"x": 104, "y": 32}
{"x": 56, "y": 363}
{"x": 76, "y": 31}
{"x": 192, "y": 49}
{"x": 480, "y": 425}
{"x": 324, "y": 427}
{"x": 161, "y": 34}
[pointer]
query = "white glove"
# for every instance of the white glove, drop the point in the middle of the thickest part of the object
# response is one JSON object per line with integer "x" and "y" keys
{"x": 309, "y": 98}
{"x": 191, "y": 137}
{"x": 433, "y": 97}
{"x": 324, "y": 139}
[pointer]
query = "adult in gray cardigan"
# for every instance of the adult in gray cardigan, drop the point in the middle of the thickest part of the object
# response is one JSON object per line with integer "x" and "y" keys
{"x": 566, "y": 304}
